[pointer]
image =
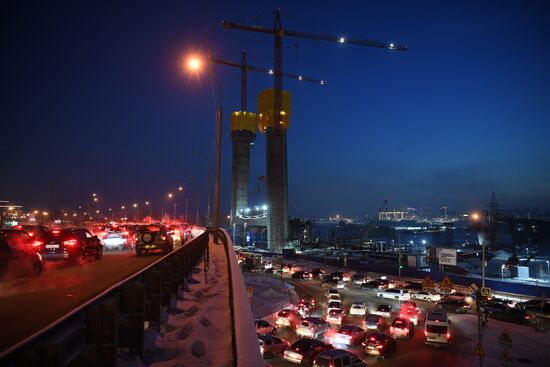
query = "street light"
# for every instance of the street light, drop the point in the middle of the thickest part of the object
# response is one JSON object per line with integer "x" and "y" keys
{"x": 180, "y": 188}
{"x": 477, "y": 217}
{"x": 194, "y": 64}
{"x": 170, "y": 195}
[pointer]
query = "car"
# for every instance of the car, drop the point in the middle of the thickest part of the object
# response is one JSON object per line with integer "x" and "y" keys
{"x": 394, "y": 293}
{"x": 458, "y": 296}
{"x": 312, "y": 327}
{"x": 68, "y": 244}
{"x": 358, "y": 278}
{"x": 379, "y": 345}
{"x": 332, "y": 293}
{"x": 334, "y": 317}
{"x": 34, "y": 230}
{"x": 264, "y": 327}
{"x": 437, "y": 328}
{"x": 426, "y": 296}
{"x": 304, "y": 351}
{"x": 514, "y": 315}
{"x": 358, "y": 308}
{"x": 410, "y": 305}
{"x": 454, "y": 306}
{"x": 302, "y": 275}
{"x": 328, "y": 281}
{"x": 114, "y": 239}
{"x": 373, "y": 321}
{"x": 19, "y": 235}
{"x": 303, "y": 309}
{"x": 384, "y": 310}
{"x": 338, "y": 357}
{"x": 414, "y": 286}
{"x": 536, "y": 305}
{"x": 271, "y": 346}
{"x": 308, "y": 300}
{"x": 177, "y": 233}
{"x": 349, "y": 335}
{"x": 288, "y": 318}
{"x": 340, "y": 284}
{"x": 334, "y": 305}
{"x": 317, "y": 273}
{"x": 410, "y": 314}
{"x": 17, "y": 259}
{"x": 401, "y": 328}
{"x": 153, "y": 237}
{"x": 340, "y": 275}
{"x": 493, "y": 306}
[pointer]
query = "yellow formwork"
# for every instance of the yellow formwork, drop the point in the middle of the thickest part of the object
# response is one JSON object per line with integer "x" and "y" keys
{"x": 242, "y": 120}
{"x": 266, "y": 110}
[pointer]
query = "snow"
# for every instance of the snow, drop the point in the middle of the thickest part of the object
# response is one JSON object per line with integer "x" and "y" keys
{"x": 198, "y": 332}
{"x": 270, "y": 295}
{"x": 527, "y": 343}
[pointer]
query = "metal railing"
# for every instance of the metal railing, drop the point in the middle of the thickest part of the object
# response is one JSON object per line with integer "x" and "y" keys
{"x": 113, "y": 322}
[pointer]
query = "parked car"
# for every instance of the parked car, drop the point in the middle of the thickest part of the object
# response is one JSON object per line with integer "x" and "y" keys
{"x": 373, "y": 321}
{"x": 379, "y": 345}
{"x": 68, "y": 244}
{"x": 454, "y": 306}
{"x": 153, "y": 237}
{"x": 338, "y": 357}
{"x": 17, "y": 258}
{"x": 426, "y": 296}
{"x": 384, "y": 310}
{"x": 304, "y": 351}
{"x": 312, "y": 327}
{"x": 401, "y": 328}
{"x": 288, "y": 318}
{"x": 358, "y": 308}
{"x": 349, "y": 335}
{"x": 271, "y": 346}
{"x": 264, "y": 327}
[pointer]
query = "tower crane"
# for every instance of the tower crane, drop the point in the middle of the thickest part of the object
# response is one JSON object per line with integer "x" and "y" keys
{"x": 276, "y": 147}
{"x": 245, "y": 67}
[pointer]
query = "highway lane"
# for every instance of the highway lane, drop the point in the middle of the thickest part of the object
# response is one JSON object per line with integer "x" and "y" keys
{"x": 30, "y": 304}
{"x": 407, "y": 350}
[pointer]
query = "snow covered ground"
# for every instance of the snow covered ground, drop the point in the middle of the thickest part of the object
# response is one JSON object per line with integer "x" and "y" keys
{"x": 270, "y": 295}
{"x": 198, "y": 332}
{"x": 529, "y": 347}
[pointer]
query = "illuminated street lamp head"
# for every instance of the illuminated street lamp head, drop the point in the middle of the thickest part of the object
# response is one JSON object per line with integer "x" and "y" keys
{"x": 123, "y": 207}
{"x": 475, "y": 216}
{"x": 180, "y": 188}
{"x": 95, "y": 199}
{"x": 146, "y": 203}
{"x": 170, "y": 195}
{"x": 135, "y": 205}
{"x": 194, "y": 63}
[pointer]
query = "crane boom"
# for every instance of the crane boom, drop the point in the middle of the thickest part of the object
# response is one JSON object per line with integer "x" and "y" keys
{"x": 267, "y": 71}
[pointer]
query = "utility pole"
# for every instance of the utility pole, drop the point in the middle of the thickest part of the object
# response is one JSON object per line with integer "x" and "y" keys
{"x": 217, "y": 181}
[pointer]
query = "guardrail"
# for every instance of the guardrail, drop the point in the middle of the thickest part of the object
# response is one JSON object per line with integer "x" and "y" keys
{"x": 114, "y": 321}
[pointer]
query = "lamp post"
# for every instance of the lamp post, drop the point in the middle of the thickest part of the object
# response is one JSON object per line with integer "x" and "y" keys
{"x": 208, "y": 188}
{"x": 477, "y": 217}
{"x": 194, "y": 64}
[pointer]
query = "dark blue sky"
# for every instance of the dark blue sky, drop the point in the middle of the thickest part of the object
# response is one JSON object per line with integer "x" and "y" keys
{"x": 93, "y": 90}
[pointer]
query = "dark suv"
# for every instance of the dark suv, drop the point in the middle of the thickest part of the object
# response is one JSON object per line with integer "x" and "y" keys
{"x": 68, "y": 244}
{"x": 153, "y": 237}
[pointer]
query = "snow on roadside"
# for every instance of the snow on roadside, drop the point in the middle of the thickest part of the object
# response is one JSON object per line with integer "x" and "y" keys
{"x": 528, "y": 345}
{"x": 270, "y": 295}
{"x": 198, "y": 333}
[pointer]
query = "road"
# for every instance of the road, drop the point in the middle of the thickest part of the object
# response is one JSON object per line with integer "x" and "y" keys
{"x": 407, "y": 350}
{"x": 30, "y": 304}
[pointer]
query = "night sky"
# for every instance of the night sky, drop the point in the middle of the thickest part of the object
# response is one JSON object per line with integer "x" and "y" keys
{"x": 94, "y": 91}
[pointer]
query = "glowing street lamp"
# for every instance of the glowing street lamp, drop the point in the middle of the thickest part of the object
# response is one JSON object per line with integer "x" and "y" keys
{"x": 180, "y": 188}
{"x": 194, "y": 63}
{"x": 170, "y": 195}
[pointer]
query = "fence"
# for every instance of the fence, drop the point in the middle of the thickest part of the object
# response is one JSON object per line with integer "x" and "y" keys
{"x": 94, "y": 333}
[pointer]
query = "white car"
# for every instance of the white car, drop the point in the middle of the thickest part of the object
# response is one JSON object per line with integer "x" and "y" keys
{"x": 334, "y": 305}
{"x": 358, "y": 308}
{"x": 312, "y": 327}
{"x": 395, "y": 294}
{"x": 114, "y": 240}
{"x": 334, "y": 317}
{"x": 341, "y": 284}
{"x": 426, "y": 296}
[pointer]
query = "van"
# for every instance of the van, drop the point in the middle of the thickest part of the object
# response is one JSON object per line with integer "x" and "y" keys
{"x": 437, "y": 328}
{"x": 397, "y": 294}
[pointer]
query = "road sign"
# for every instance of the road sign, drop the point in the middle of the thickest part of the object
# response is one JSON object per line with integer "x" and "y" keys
{"x": 474, "y": 287}
{"x": 486, "y": 292}
{"x": 479, "y": 351}
{"x": 505, "y": 359}
{"x": 447, "y": 256}
{"x": 505, "y": 339}
{"x": 427, "y": 283}
{"x": 446, "y": 283}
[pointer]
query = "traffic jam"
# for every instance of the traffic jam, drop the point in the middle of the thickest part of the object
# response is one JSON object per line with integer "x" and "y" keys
{"x": 349, "y": 319}
{"x": 26, "y": 249}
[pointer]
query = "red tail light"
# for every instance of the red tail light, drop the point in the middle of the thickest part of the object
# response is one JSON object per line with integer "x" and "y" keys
{"x": 448, "y": 335}
{"x": 19, "y": 227}
{"x": 163, "y": 238}
{"x": 37, "y": 243}
{"x": 425, "y": 332}
{"x": 526, "y": 317}
{"x": 31, "y": 234}
{"x": 70, "y": 242}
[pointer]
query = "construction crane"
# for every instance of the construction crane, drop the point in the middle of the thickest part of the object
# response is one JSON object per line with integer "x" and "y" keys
{"x": 276, "y": 149}
{"x": 245, "y": 67}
